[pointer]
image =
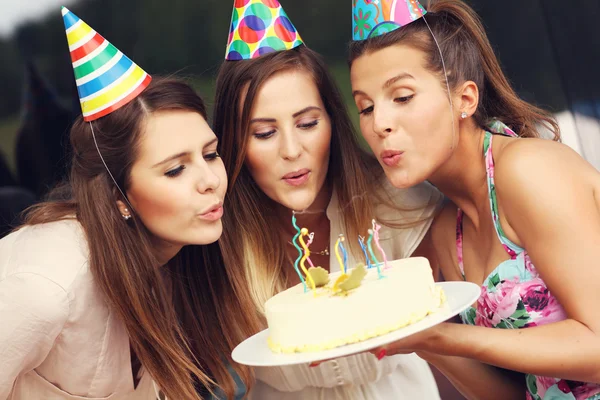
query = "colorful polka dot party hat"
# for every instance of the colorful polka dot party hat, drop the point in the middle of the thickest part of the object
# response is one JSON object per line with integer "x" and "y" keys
{"x": 259, "y": 27}
{"x": 371, "y": 18}
{"x": 106, "y": 78}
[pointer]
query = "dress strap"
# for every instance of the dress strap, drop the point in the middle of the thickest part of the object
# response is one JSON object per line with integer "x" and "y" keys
{"x": 512, "y": 249}
{"x": 459, "y": 241}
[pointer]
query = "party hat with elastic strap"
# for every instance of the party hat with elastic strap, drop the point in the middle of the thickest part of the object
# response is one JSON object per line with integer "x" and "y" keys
{"x": 106, "y": 78}
{"x": 371, "y": 18}
{"x": 259, "y": 27}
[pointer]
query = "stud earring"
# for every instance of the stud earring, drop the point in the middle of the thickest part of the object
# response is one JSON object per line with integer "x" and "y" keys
{"x": 464, "y": 115}
{"x": 126, "y": 217}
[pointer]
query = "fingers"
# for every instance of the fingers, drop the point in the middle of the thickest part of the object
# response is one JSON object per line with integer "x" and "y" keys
{"x": 379, "y": 352}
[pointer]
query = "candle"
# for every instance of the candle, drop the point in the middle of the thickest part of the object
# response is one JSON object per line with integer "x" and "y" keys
{"x": 344, "y": 253}
{"x": 375, "y": 261}
{"x": 299, "y": 250}
{"x": 304, "y": 232}
{"x": 311, "y": 236}
{"x": 376, "y": 229}
{"x": 337, "y": 254}
{"x": 361, "y": 241}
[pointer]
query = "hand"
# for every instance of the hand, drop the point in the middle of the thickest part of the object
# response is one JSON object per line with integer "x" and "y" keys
{"x": 420, "y": 343}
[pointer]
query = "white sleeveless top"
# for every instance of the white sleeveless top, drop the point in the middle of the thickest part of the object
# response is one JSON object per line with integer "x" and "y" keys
{"x": 59, "y": 340}
{"x": 362, "y": 376}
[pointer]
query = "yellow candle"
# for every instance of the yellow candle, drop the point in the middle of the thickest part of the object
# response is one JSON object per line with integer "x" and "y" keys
{"x": 304, "y": 232}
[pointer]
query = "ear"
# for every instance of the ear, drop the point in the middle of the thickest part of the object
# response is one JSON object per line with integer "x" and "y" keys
{"x": 469, "y": 99}
{"x": 123, "y": 209}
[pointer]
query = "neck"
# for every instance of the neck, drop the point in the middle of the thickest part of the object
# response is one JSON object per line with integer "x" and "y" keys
{"x": 166, "y": 251}
{"x": 314, "y": 217}
{"x": 462, "y": 178}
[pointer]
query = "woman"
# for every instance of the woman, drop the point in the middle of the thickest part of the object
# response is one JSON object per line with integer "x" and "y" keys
{"x": 118, "y": 282}
{"x": 288, "y": 144}
{"x": 525, "y": 223}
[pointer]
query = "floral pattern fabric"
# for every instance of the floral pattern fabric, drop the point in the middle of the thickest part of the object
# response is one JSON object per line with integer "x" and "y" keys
{"x": 514, "y": 296}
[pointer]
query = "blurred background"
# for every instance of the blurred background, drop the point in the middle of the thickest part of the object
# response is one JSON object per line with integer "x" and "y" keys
{"x": 548, "y": 48}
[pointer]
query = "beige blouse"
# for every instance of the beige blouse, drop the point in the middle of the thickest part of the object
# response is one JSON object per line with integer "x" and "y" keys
{"x": 362, "y": 376}
{"x": 59, "y": 340}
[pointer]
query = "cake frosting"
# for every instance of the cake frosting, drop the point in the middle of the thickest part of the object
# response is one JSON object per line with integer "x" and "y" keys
{"x": 302, "y": 320}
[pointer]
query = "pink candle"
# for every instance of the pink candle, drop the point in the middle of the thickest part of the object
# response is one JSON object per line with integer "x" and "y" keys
{"x": 376, "y": 229}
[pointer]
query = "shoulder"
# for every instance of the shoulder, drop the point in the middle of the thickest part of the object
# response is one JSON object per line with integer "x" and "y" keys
{"x": 530, "y": 172}
{"x": 31, "y": 295}
{"x": 56, "y": 251}
{"x": 525, "y": 160}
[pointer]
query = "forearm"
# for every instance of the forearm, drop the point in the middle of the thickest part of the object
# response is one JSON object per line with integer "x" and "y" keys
{"x": 565, "y": 349}
{"x": 476, "y": 380}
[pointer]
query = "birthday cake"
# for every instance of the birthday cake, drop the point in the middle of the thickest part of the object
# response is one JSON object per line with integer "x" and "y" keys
{"x": 351, "y": 306}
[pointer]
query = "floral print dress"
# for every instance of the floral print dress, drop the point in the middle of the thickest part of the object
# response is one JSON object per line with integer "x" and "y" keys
{"x": 514, "y": 296}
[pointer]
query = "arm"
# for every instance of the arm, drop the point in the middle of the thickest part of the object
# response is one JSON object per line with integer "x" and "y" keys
{"x": 553, "y": 212}
{"x": 476, "y": 380}
{"x": 33, "y": 311}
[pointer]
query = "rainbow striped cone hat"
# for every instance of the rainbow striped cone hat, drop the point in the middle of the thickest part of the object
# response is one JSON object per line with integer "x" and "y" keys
{"x": 106, "y": 78}
{"x": 259, "y": 27}
{"x": 371, "y": 18}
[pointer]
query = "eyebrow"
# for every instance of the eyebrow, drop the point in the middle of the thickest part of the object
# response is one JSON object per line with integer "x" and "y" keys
{"x": 183, "y": 154}
{"x": 296, "y": 114}
{"x": 305, "y": 110}
{"x": 397, "y": 78}
{"x": 389, "y": 82}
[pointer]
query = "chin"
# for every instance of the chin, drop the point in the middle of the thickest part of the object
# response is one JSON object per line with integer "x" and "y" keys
{"x": 401, "y": 179}
{"x": 206, "y": 234}
{"x": 299, "y": 204}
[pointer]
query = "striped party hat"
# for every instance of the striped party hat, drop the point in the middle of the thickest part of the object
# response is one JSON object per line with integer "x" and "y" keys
{"x": 106, "y": 78}
{"x": 259, "y": 27}
{"x": 371, "y": 18}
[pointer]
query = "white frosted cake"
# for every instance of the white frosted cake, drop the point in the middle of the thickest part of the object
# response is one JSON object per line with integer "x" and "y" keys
{"x": 304, "y": 321}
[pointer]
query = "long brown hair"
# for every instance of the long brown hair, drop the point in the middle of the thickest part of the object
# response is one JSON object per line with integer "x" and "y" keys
{"x": 184, "y": 340}
{"x": 468, "y": 56}
{"x": 252, "y": 230}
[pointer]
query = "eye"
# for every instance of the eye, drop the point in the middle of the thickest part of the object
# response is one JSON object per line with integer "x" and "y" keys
{"x": 404, "y": 99}
{"x": 366, "y": 111}
{"x": 264, "y": 135}
{"x": 309, "y": 125}
{"x": 175, "y": 172}
{"x": 212, "y": 156}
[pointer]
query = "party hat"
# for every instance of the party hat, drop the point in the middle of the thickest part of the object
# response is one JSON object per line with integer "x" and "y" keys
{"x": 259, "y": 27}
{"x": 373, "y": 18}
{"x": 106, "y": 78}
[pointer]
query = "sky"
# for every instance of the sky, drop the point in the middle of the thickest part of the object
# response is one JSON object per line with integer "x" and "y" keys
{"x": 14, "y": 12}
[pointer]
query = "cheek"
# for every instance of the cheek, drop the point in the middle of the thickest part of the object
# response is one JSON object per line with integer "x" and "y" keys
{"x": 156, "y": 202}
{"x": 260, "y": 161}
{"x": 324, "y": 144}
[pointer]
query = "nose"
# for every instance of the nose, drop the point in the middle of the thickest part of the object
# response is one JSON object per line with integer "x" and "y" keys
{"x": 209, "y": 180}
{"x": 291, "y": 148}
{"x": 382, "y": 122}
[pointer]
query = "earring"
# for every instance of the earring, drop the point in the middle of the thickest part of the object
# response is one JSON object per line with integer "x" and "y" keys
{"x": 126, "y": 216}
{"x": 464, "y": 115}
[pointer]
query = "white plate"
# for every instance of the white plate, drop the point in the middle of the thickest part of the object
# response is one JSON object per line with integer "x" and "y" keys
{"x": 255, "y": 352}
